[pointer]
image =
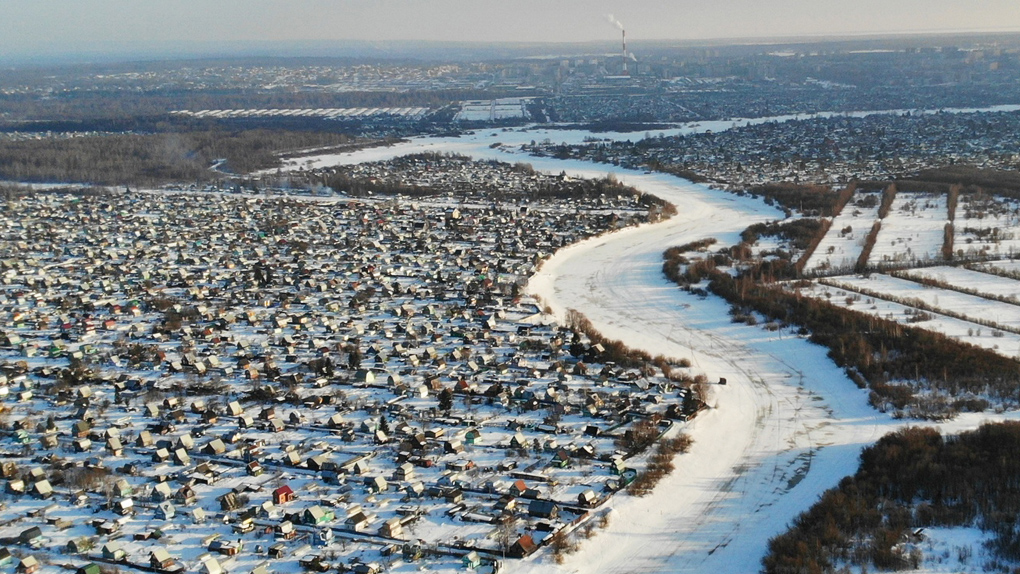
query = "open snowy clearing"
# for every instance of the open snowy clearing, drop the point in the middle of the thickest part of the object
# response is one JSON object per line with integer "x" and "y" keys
{"x": 988, "y": 225}
{"x": 787, "y": 426}
{"x": 842, "y": 245}
{"x": 1007, "y": 344}
{"x": 913, "y": 230}
{"x": 979, "y": 309}
{"x": 985, "y": 284}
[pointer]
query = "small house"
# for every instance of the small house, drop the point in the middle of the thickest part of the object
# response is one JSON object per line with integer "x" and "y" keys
{"x": 122, "y": 488}
{"x": 31, "y": 537}
{"x": 114, "y": 446}
{"x": 392, "y": 528}
{"x": 317, "y": 515}
{"x": 283, "y": 495}
{"x": 165, "y": 511}
{"x": 16, "y": 486}
{"x": 144, "y": 439}
{"x": 471, "y": 560}
{"x": 41, "y": 489}
{"x": 404, "y": 471}
{"x": 210, "y": 565}
{"x": 79, "y": 545}
{"x": 415, "y": 489}
{"x": 27, "y": 565}
{"x": 114, "y": 550}
{"x": 285, "y": 530}
{"x": 357, "y": 521}
{"x": 215, "y": 447}
{"x": 160, "y": 559}
{"x": 253, "y": 468}
{"x": 181, "y": 457}
{"x": 185, "y": 495}
{"x": 543, "y": 509}
{"x": 376, "y": 484}
{"x": 523, "y": 546}
{"x": 229, "y": 502}
{"x": 518, "y": 488}
{"x": 124, "y": 506}
{"x": 226, "y": 547}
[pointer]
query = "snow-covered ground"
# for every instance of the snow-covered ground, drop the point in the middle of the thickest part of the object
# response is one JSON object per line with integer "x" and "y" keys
{"x": 786, "y": 427}
{"x": 962, "y": 278}
{"x": 1005, "y": 266}
{"x": 988, "y": 225}
{"x": 842, "y": 245}
{"x": 1004, "y": 343}
{"x": 953, "y": 550}
{"x": 913, "y": 230}
{"x": 491, "y": 110}
{"x": 967, "y": 306}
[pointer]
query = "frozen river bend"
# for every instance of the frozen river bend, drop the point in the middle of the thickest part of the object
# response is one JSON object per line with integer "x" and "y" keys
{"x": 787, "y": 426}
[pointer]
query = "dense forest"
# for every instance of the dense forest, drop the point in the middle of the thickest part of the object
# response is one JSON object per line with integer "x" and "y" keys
{"x": 154, "y": 158}
{"x": 911, "y": 479}
{"x": 969, "y": 179}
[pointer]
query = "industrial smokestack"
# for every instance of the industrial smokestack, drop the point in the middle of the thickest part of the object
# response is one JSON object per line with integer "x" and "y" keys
{"x": 624, "y": 32}
{"x": 612, "y": 20}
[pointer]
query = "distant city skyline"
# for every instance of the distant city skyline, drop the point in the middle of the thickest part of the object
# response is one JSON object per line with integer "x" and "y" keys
{"x": 54, "y": 28}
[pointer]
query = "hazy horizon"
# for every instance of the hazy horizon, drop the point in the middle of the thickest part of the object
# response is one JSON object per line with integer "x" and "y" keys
{"x": 55, "y": 30}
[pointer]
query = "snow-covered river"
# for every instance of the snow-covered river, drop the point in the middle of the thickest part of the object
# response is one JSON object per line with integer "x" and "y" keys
{"x": 787, "y": 426}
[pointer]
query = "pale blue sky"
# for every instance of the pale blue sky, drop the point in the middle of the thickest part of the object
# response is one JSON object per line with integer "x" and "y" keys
{"x": 75, "y": 26}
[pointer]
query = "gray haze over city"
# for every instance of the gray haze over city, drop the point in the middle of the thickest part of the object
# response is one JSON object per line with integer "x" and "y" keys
{"x": 51, "y": 28}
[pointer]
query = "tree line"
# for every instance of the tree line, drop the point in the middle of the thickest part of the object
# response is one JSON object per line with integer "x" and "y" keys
{"x": 911, "y": 479}
{"x": 154, "y": 158}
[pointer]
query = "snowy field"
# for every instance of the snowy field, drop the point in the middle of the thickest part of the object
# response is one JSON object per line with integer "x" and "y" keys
{"x": 492, "y": 110}
{"x": 914, "y": 230}
{"x": 952, "y": 550}
{"x": 985, "y": 284}
{"x": 842, "y": 245}
{"x": 970, "y": 307}
{"x": 789, "y": 424}
{"x": 1003, "y": 267}
{"x": 987, "y": 226}
{"x": 1005, "y": 343}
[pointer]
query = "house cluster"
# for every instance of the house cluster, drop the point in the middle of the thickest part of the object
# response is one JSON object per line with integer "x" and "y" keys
{"x": 824, "y": 150}
{"x": 208, "y": 382}
{"x": 491, "y": 182}
{"x": 387, "y": 78}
